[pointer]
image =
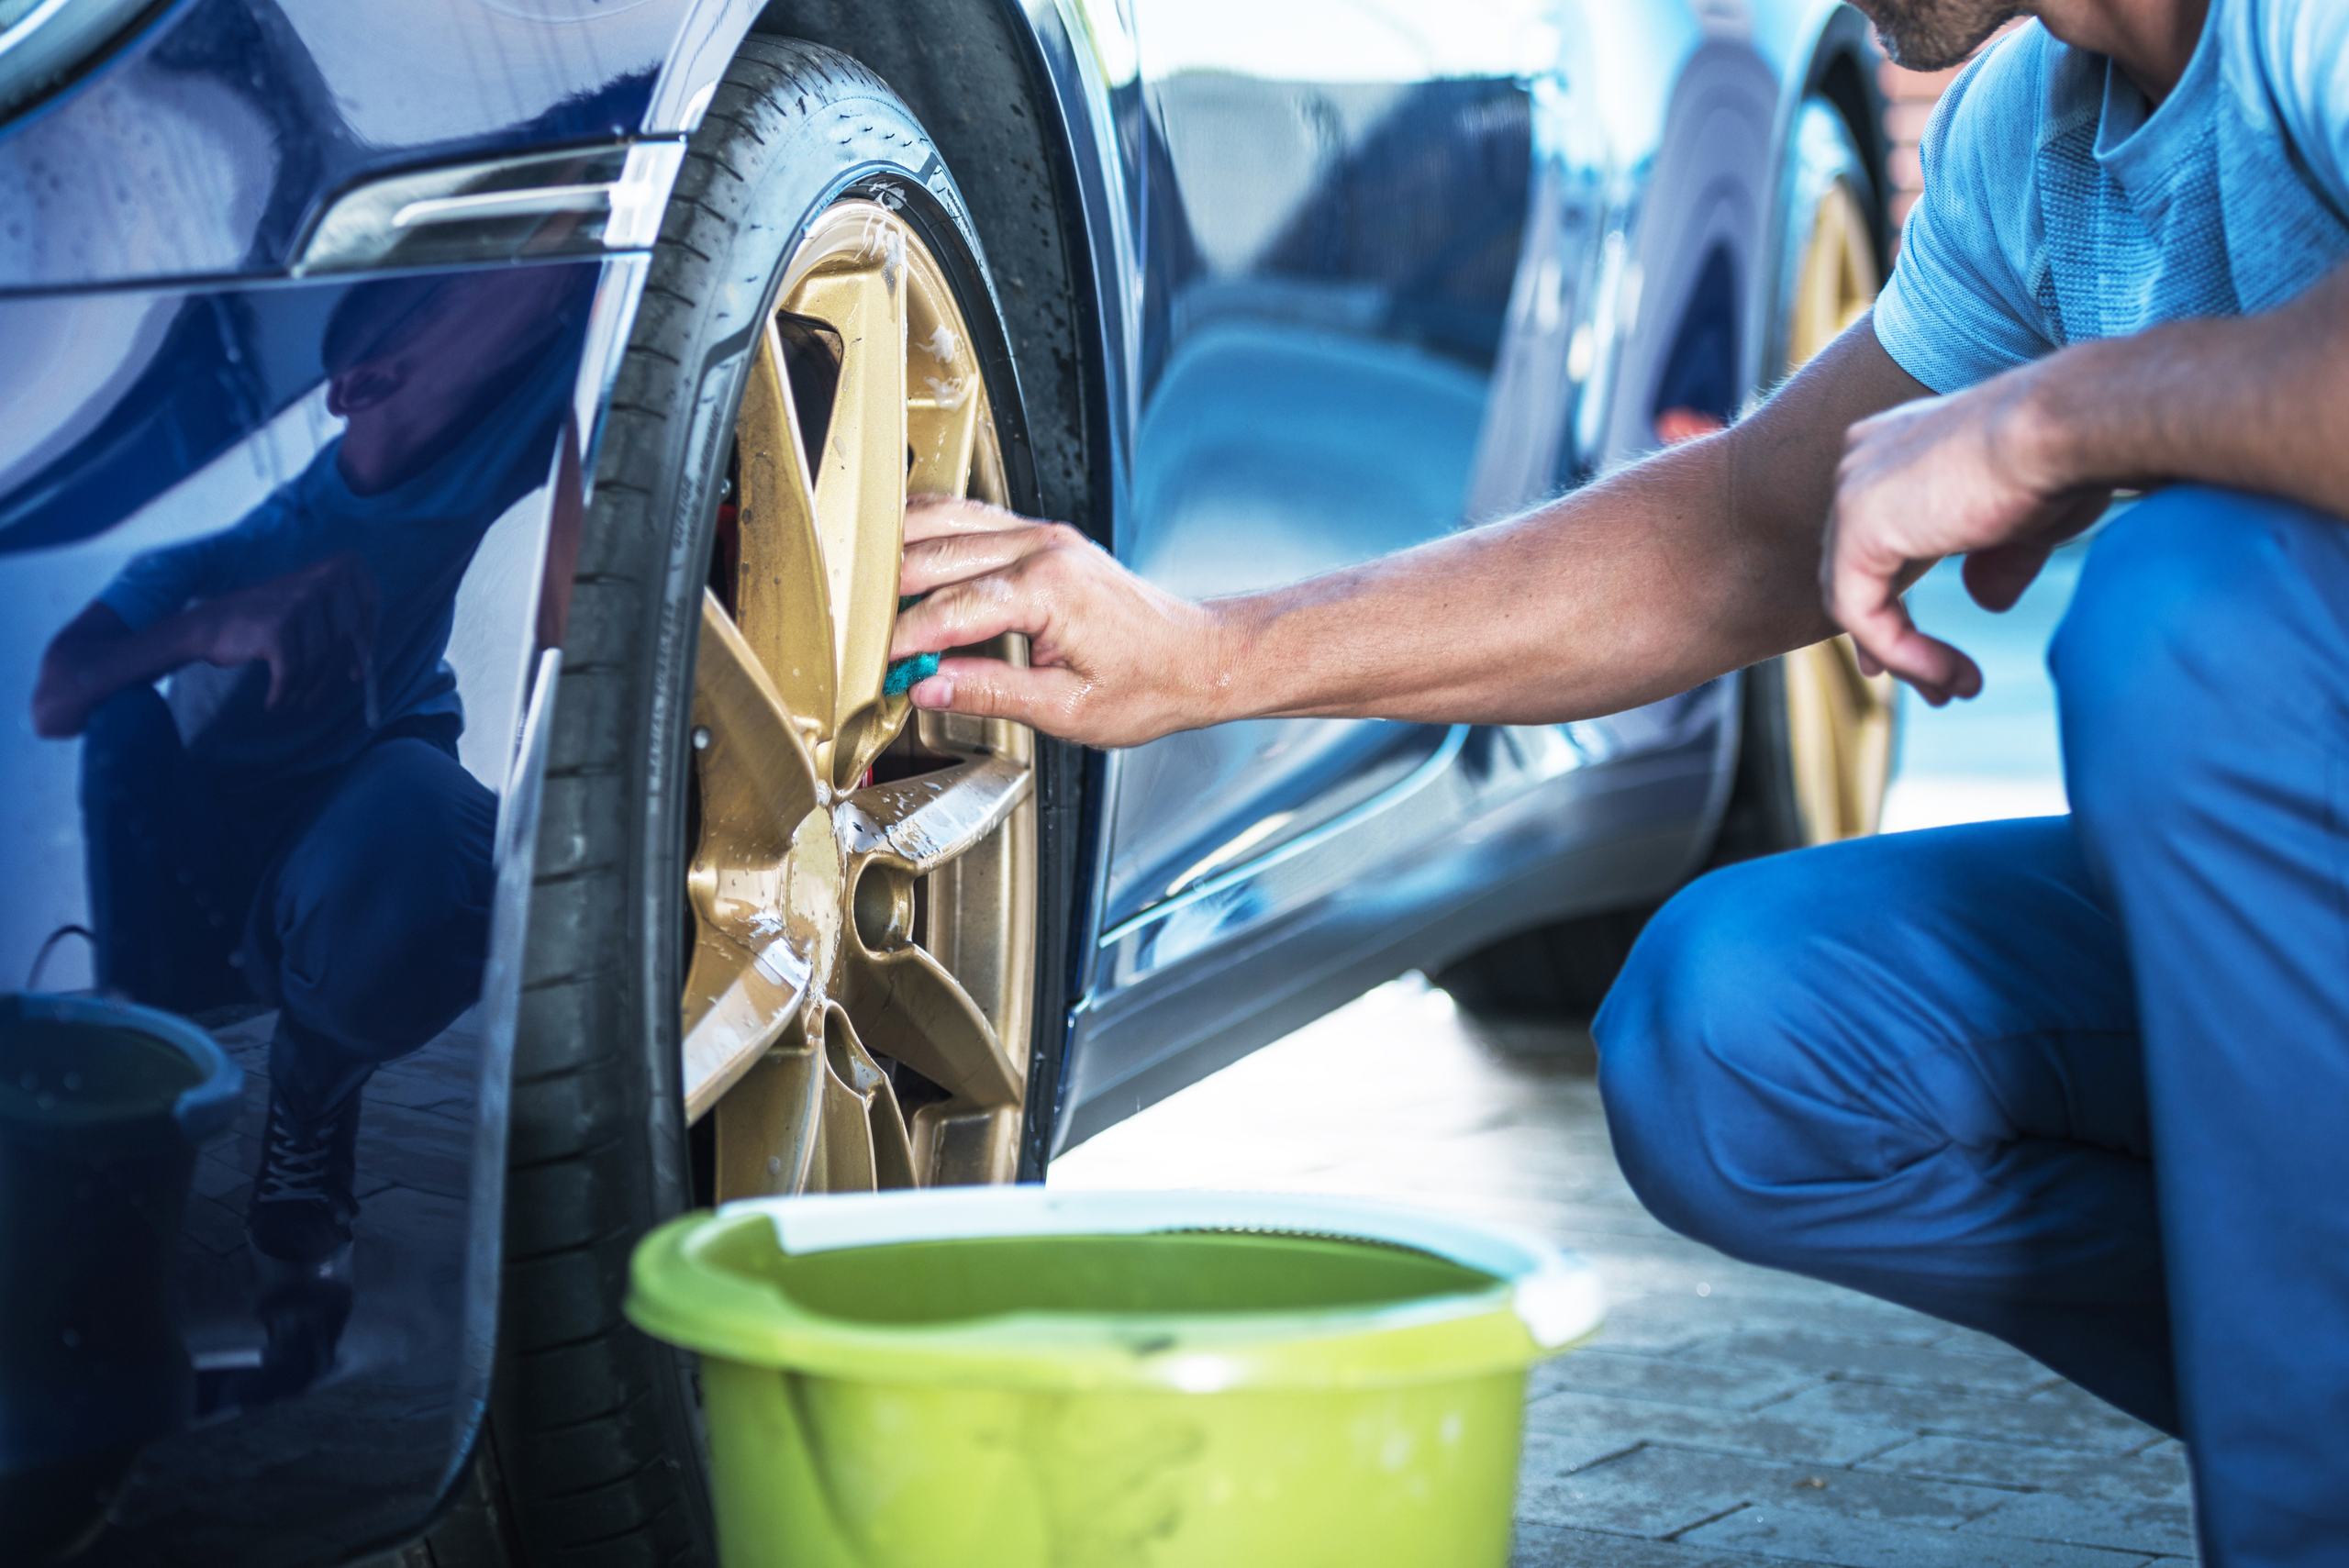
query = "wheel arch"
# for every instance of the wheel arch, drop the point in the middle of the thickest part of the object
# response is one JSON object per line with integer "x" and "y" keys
{"x": 984, "y": 79}
{"x": 1844, "y": 59}
{"x": 1016, "y": 165}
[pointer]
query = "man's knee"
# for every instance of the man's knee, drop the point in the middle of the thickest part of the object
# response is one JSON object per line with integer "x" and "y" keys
{"x": 126, "y": 742}
{"x": 1701, "y": 1009}
{"x": 381, "y": 910}
{"x": 2191, "y": 606}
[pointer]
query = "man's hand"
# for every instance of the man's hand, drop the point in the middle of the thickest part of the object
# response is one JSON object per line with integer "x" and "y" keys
{"x": 1093, "y": 627}
{"x": 1941, "y": 476}
{"x": 311, "y": 628}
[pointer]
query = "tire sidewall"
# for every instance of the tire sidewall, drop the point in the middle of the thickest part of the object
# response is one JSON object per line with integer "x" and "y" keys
{"x": 862, "y": 144}
{"x": 597, "y": 1138}
{"x": 1764, "y": 815}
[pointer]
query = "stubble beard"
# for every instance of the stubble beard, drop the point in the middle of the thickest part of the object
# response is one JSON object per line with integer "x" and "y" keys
{"x": 1933, "y": 35}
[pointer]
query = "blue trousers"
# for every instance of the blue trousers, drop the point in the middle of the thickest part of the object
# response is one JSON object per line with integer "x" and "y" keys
{"x": 356, "y": 900}
{"x": 2081, "y": 1083}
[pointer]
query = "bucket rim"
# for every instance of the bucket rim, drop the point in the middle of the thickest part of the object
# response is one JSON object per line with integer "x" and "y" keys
{"x": 204, "y": 1109}
{"x": 1542, "y": 1299}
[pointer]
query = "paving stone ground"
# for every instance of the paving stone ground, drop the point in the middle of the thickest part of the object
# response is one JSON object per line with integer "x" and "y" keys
{"x": 1726, "y": 1415}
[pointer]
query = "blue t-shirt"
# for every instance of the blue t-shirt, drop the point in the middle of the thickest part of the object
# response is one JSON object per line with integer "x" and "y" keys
{"x": 2059, "y": 207}
{"x": 416, "y": 539}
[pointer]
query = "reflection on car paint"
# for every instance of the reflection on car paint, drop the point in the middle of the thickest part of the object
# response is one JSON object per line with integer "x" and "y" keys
{"x": 1386, "y": 297}
{"x": 1330, "y": 262}
{"x": 285, "y": 729}
{"x": 1361, "y": 274}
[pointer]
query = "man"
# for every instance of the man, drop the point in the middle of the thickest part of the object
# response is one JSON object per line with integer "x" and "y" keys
{"x": 2080, "y": 1083}
{"x": 290, "y": 824}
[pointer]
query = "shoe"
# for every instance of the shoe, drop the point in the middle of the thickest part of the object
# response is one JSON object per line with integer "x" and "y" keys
{"x": 302, "y": 1204}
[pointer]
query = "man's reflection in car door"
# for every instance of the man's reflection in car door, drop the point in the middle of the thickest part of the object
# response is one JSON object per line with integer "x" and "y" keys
{"x": 285, "y": 821}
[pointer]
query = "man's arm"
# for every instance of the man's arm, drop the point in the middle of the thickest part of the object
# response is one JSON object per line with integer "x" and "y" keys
{"x": 309, "y": 626}
{"x": 1698, "y": 561}
{"x": 2004, "y": 472}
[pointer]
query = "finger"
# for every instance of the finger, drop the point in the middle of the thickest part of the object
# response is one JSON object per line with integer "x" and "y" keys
{"x": 931, "y": 565}
{"x": 359, "y": 588}
{"x": 1864, "y": 603}
{"x": 966, "y": 612}
{"x": 283, "y": 647}
{"x": 1997, "y": 577}
{"x": 1047, "y": 699}
{"x": 352, "y": 618}
{"x": 1938, "y": 670}
{"x": 2078, "y": 514}
{"x": 937, "y": 516}
{"x": 316, "y": 654}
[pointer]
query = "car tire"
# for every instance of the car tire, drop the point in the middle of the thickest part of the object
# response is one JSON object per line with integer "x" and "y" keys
{"x": 1529, "y": 994}
{"x": 1815, "y": 736}
{"x": 592, "y": 1453}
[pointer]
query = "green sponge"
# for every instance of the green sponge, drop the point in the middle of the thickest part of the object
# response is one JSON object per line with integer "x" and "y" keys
{"x": 905, "y": 673}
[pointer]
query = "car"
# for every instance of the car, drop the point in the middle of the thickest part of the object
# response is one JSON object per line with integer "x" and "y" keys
{"x": 453, "y": 456}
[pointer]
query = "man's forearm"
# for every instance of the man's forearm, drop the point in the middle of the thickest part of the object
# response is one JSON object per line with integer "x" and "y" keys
{"x": 1698, "y": 561}
{"x": 2250, "y": 402}
{"x": 97, "y": 656}
{"x": 1632, "y": 589}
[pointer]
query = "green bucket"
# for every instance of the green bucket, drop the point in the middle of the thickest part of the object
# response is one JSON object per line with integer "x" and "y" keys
{"x": 1015, "y": 1378}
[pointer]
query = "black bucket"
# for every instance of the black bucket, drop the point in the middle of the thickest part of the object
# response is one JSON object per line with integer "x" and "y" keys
{"x": 102, "y": 1107}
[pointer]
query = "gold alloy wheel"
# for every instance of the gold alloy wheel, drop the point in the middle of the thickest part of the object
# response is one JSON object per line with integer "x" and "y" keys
{"x": 863, "y": 890}
{"x": 1839, "y": 721}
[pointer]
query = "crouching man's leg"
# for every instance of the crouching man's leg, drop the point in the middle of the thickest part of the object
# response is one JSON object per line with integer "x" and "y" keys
{"x": 370, "y": 932}
{"x": 1907, "y": 1066}
{"x": 2203, "y": 680}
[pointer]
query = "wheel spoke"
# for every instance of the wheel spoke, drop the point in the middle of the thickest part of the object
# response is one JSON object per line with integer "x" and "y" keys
{"x": 765, "y": 898}
{"x": 925, "y": 821}
{"x": 782, "y": 598}
{"x": 865, "y": 1140}
{"x": 1840, "y": 722}
{"x": 912, "y": 1009}
{"x": 847, "y": 938}
{"x": 941, "y": 417}
{"x": 768, "y": 1124}
{"x": 861, "y": 481}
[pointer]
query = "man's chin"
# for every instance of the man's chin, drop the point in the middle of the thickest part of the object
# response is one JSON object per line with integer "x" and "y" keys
{"x": 1934, "y": 35}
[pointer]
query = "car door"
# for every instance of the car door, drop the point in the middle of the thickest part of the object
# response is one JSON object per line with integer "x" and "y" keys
{"x": 1336, "y": 205}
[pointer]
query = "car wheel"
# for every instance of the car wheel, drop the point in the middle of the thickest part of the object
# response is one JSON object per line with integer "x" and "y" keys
{"x": 1526, "y": 995}
{"x": 786, "y": 935}
{"x": 1816, "y": 751}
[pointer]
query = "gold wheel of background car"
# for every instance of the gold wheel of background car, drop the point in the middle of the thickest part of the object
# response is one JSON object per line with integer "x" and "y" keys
{"x": 863, "y": 888}
{"x": 1839, "y": 721}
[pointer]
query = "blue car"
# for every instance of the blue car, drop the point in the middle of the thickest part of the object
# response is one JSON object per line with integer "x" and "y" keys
{"x": 460, "y": 810}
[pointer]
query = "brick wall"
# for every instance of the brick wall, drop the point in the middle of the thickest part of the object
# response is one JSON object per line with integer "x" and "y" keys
{"x": 1910, "y": 98}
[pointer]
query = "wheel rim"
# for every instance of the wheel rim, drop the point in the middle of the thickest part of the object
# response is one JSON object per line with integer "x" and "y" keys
{"x": 863, "y": 888}
{"x": 1837, "y": 281}
{"x": 1839, "y": 721}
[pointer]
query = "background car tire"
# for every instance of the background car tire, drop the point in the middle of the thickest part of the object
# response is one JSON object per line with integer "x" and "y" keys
{"x": 593, "y": 1451}
{"x": 1815, "y": 737}
{"x": 1815, "y": 741}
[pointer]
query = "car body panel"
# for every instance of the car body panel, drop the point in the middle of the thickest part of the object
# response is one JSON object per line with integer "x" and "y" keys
{"x": 1283, "y": 378}
{"x": 1303, "y": 408}
{"x": 375, "y": 1367}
